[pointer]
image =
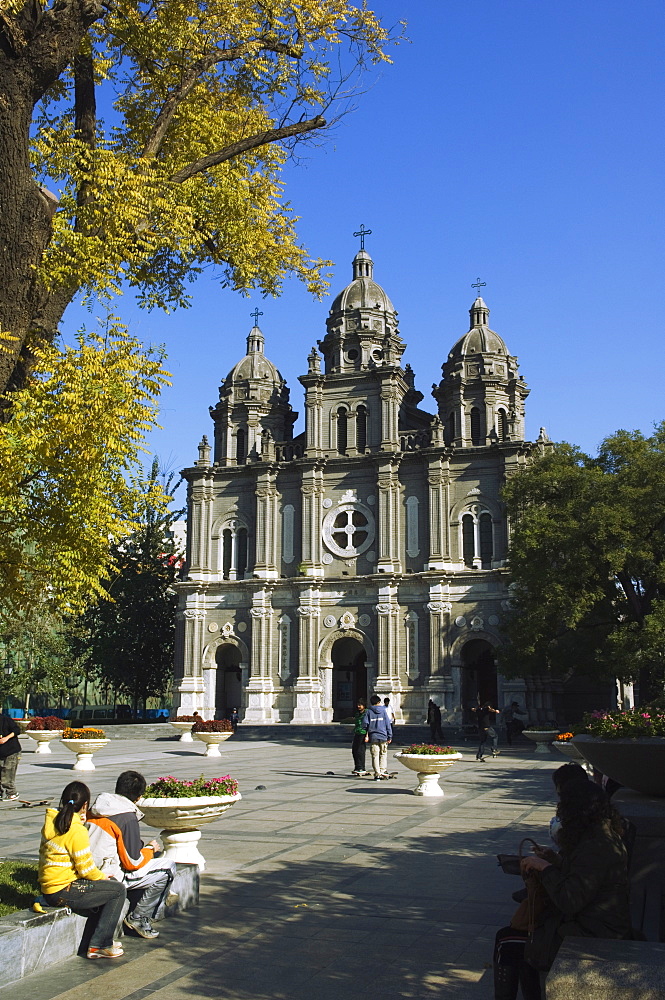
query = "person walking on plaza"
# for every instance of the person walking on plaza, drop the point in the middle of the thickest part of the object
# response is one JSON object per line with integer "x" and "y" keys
{"x": 117, "y": 848}
{"x": 379, "y": 735}
{"x": 515, "y": 719}
{"x": 390, "y": 710}
{"x": 68, "y": 875}
{"x": 486, "y": 717}
{"x": 234, "y": 719}
{"x": 434, "y": 721}
{"x": 10, "y": 755}
{"x": 359, "y": 747}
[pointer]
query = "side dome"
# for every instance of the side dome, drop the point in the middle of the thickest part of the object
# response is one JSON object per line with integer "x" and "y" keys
{"x": 363, "y": 292}
{"x": 479, "y": 339}
{"x": 255, "y": 365}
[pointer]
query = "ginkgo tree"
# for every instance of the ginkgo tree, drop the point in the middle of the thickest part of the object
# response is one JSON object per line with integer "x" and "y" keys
{"x": 141, "y": 140}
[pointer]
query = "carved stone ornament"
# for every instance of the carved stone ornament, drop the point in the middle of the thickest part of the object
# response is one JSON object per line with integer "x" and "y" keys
{"x": 477, "y": 623}
{"x": 329, "y": 621}
{"x": 242, "y": 626}
{"x": 370, "y": 556}
{"x": 308, "y": 611}
{"x": 227, "y": 629}
{"x": 473, "y": 492}
{"x": 347, "y": 620}
{"x": 327, "y": 502}
{"x": 435, "y": 480}
{"x": 493, "y": 620}
{"x": 371, "y": 500}
{"x": 348, "y": 530}
{"x": 193, "y": 614}
{"x": 439, "y": 607}
{"x": 387, "y": 609}
{"x": 460, "y": 621}
{"x": 213, "y": 627}
{"x": 326, "y": 559}
{"x": 348, "y": 497}
{"x": 260, "y": 612}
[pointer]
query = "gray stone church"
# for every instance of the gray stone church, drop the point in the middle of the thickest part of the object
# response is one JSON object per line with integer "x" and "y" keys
{"x": 366, "y": 554}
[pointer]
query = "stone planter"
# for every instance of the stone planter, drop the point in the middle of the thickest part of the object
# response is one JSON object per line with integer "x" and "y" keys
{"x": 541, "y": 739}
{"x": 636, "y": 763}
{"x": 180, "y": 820}
{"x": 84, "y": 750}
{"x": 429, "y": 767}
{"x": 43, "y": 737}
{"x": 212, "y": 741}
{"x": 572, "y": 753}
{"x": 185, "y": 730}
{"x": 22, "y": 724}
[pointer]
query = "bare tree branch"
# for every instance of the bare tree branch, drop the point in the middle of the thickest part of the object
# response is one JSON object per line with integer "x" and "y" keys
{"x": 251, "y": 142}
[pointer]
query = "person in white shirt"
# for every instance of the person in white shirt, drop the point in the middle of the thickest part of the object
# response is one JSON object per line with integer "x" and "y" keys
{"x": 389, "y": 709}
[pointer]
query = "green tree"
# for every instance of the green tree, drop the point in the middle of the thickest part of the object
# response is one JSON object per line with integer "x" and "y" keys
{"x": 587, "y": 561}
{"x": 200, "y": 103}
{"x": 35, "y": 655}
{"x": 126, "y": 638}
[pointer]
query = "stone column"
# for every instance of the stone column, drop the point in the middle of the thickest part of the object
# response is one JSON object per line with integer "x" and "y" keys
{"x": 388, "y": 526}
{"x": 308, "y": 686}
{"x": 265, "y": 565}
{"x": 260, "y": 688}
{"x": 439, "y": 684}
{"x": 388, "y": 679}
{"x": 190, "y": 689}
{"x": 312, "y": 492}
{"x": 389, "y": 417}
{"x": 313, "y": 383}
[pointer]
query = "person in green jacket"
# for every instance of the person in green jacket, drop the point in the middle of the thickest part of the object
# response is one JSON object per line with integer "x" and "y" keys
{"x": 359, "y": 747}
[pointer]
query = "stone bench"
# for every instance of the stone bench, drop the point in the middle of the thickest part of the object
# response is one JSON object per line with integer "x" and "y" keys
{"x": 33, "y": 942}
{"x": 602, "y": 969}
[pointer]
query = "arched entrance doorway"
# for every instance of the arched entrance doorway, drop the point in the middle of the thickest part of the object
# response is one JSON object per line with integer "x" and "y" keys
{"x": 349, "y": 676}
{"x": 478, "y": 676}
{"x": 228, "y": 684}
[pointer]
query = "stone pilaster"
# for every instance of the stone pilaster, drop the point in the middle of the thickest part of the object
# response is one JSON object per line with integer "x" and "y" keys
{"x": 260, "y": 694}
{"x": 390, "y": 400}
{"x": 266, "y": 527}
{"x": 190, "y": 689}
{"x": 308, "y": 690}
{"x": 388, "y": 528}
{"x": 312, "y": 494}
{"x": 387, "y": 611}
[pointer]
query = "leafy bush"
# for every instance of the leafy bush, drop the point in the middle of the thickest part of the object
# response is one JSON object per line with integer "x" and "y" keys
{"x": 428, "y": 749}
{"x": 184, "y": 718}
{"x": 83, "y": 734}
{"x": 46, "y": 722}
{"x": 615, "y": 725}
{"x": 174, "y": 788}
{"x": 212, "y": 726}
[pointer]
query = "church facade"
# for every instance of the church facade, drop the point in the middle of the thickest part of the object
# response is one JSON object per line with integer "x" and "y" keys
{"x": 367, "y": 554}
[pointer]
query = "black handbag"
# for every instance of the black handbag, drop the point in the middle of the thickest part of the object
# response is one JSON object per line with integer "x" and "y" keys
{"x": 510, "y": 863}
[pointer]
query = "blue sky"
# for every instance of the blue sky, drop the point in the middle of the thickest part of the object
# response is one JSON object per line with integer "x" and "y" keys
{"x": 518, "y": 140}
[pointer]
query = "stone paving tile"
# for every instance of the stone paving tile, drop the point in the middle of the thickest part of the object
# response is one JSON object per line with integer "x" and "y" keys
{"x": 318, "y": 883}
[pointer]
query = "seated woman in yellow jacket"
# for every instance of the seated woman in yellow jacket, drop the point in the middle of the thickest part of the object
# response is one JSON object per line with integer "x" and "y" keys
{"x": 68, "y": 875}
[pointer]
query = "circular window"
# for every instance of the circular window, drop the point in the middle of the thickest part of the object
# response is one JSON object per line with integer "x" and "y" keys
{"x": 352, "y": 355}
{"x": 377, "y": 354}
{"x": 348, "y": 530}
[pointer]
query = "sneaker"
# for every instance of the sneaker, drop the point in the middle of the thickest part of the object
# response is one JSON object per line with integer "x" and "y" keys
{"x": 115, "y": 951}
{"x": 140, "y": 926}
{"x": 481, "y": 759}
{"x": 10, "y": 797}
{"x": 357, "y": 773}
{"x": 495, "y": 753}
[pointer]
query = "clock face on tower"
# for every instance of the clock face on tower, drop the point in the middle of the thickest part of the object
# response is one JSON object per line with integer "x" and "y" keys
{"x": 348, "y": 530}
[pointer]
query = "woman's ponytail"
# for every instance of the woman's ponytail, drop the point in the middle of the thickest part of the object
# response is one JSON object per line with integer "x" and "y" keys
{"x": 74, "y": 797}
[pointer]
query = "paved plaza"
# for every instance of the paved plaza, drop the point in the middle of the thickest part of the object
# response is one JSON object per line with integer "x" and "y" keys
{"x": 318, "y": 886}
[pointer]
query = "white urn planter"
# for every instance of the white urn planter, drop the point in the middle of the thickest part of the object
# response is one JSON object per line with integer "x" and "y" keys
{"x": 22, "y": 724}
{"x": 180, "y": 820}
{"x": 43, "y": 737}
{"x": 84, "y": 750}
{"x": 542, "y": 739}
{"x": 429, "y": 767}
{"x": 212, "y": 741}
{"x": 185, "y": 730}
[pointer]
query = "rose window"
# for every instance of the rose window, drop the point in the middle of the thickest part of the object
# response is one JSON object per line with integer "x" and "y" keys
{"x": 348, "y": 530}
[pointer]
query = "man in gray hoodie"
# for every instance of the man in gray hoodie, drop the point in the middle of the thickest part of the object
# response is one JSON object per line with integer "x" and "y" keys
{"x": 379, "y": 735}
{"x": 118, "y": 851}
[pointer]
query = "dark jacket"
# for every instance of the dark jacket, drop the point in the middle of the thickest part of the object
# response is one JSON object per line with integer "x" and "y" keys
{"x": 377, "y": 724}
{"x": 359, "y": 727}
{"x": 587, "y": 896}
{"x": 7, "y": 726}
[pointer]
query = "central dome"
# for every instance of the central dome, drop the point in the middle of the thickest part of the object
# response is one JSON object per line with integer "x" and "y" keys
{"x": 363, "y": 292}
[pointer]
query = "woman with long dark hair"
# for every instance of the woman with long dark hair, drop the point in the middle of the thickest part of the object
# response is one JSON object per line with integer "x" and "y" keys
{"x": 69, "y": 877}
{"x": 585, "y": 891}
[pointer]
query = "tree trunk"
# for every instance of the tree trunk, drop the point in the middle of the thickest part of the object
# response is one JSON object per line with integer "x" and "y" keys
{"x": 25, "y": 227}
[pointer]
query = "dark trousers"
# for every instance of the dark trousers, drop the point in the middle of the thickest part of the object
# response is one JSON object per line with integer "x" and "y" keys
{"x": 358, "y": 749}
{"x": 8, "y": 767}
{"x": 510, "y": 968}
{"x": 85, "y": 896}
{"x": 485, "y": 735}
{"x": 436, "y": 733}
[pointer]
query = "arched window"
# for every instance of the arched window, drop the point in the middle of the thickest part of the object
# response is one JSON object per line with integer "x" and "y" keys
{"x": 468, "y": 544}
{"x": 475, "y": 426}
{"x": 503, "y": 425}
{"x": 241, "y": 550}
{"x": 227, "y": 546}
{"x": 361, "y": 429}
{"x": 241, "y": 446}
{"x": 485, "y": 540}
{"x": 451, "y": 427}
{"x": 341, "y": 431}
